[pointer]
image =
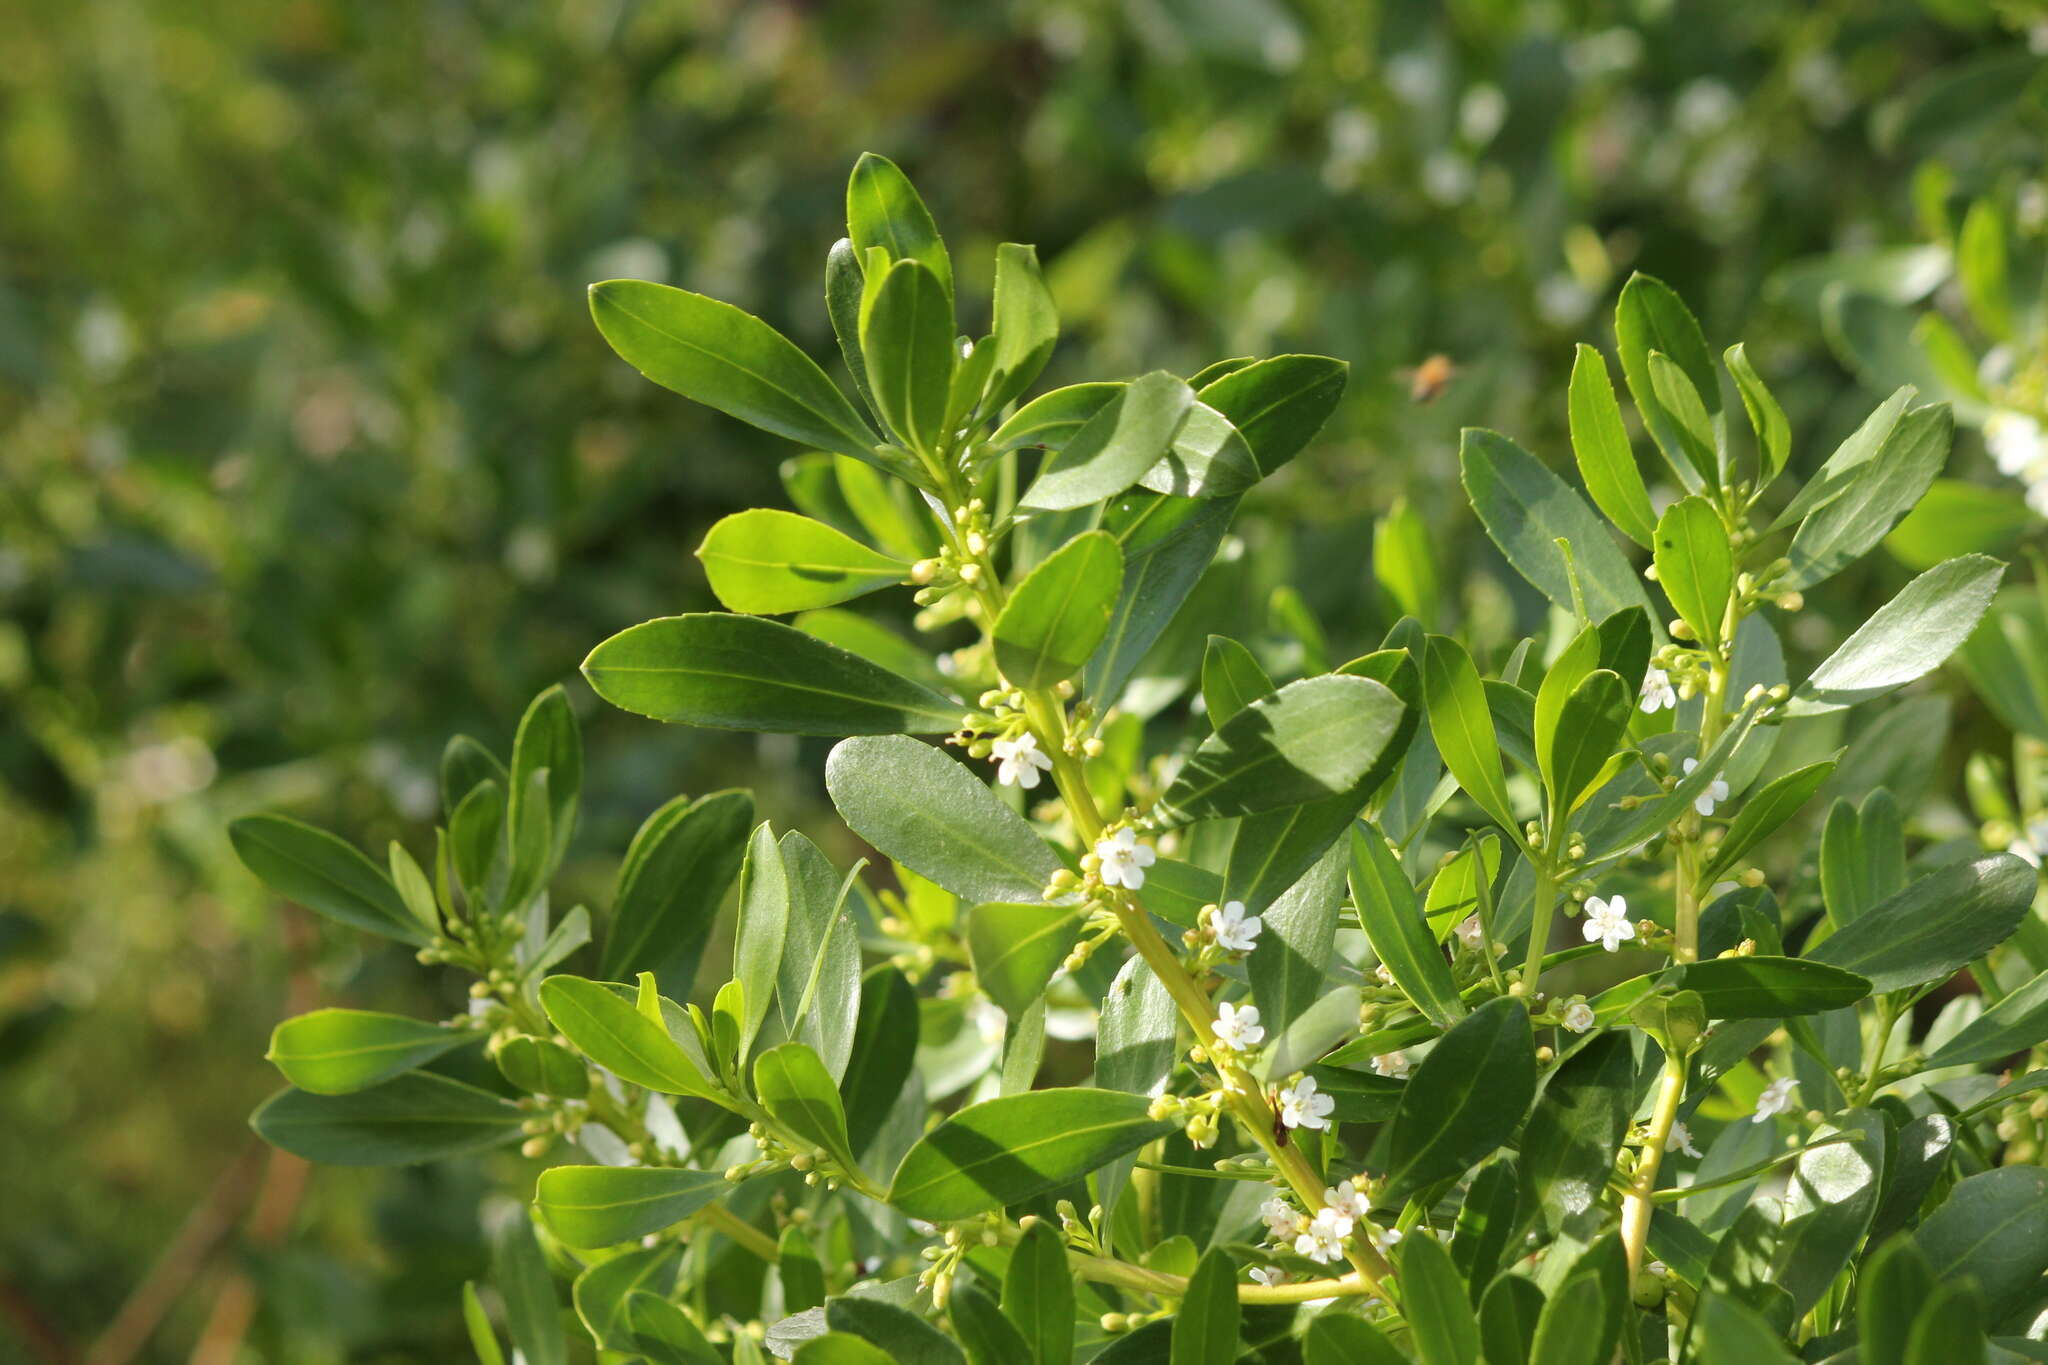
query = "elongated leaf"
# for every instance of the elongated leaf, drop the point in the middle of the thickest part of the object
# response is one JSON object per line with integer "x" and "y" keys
{"x": 1993, "y": 1228}
{"x": 1894, "y": 1285}
{"x": 601, "y": 1206}
{"x": 1027, "y": 325}
{"x": 745, "y": 673}
{"x": 1135, "y": 1036}
{"x": 768, "y": 562}
{"x": 1766, "y": 417}
{"x": 1589, "y": 732}
{"x": 1920, "y": 1152}
{"x": 1465, "y": 1100}
{"x": 1568, "y": 1147}
{"x": 727, "y": 359}
{"x": 482, "y": 1339}
{"x": 548, "y": 739}
{"x": 1346, "y": 1339}
{"x": 1060, "y": 612}
{"x": 817, "y": 982}
{"x": 1762, "y": 814}
{"x": 603, "y": 1292}
{"x": 884, "y": 1052}
{"x": 1393, "y": 921}
{"x": 1124, "y": 438}
{"x": 1312, "y": 739}
{"x": 1687, "y": 417}
{"x": 1571, "y": 1330}
{"x": 1205, "y": 1330}
{"x": 1053, "y": 419}
{"x": 1461, "y": 723}
{"x": 1231, "y": 679}
{"x": 675, "y": 875}
{"x": 989, "y": 1337}
{"x": 607, "y": 1028}
{"x": 1168, "y": 543}
{"x": 799, "y": 1093}
{"x": 1727, "y": 1330}
{"x": 1004, "y": 1151}
{"x": 1842, "y": 469}
{"x": 324, "y": 874}
{"x": 1909, "y": 636}
{"x": 1695, "y": 565}
{"x": 1508, "y": 1318}
{"x": 1038, "y": 1295}
{"x": 1292, "y": 956}
{"x": 883, "y": 209}
{"x": 1600, "y": 444}
{"x": 763, "y": 929}
{"x": 843, "y": 289}
{"x": 929, "y": 813}
{"x": 1278, "y": 404}
{"x": 532, "y": 1309}
{"x": 335, "y": 1052}
{"x": 2016, "y": 1023}
{"x": 1441, "y": 1323}
{"x": 1829, "y": 1203}
{"x": 1651, "y": 317}
{"x": 1526, "y": 510}
{"x": 660, "y": 1330}
{"x": 1876, "y": 497}
{"x": 840, "y": 1348}
{"x": 908, "y": 1338}
{"x": 906, "y": 338}
{"x": 1016, "y": 948}
{"x": 418, "y": 1116}
{"x": 1928, "y": 931}
{"x": 1770, "y": 987}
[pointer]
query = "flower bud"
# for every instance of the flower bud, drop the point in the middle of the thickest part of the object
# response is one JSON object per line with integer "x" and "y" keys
{"x": 924, "y": 571}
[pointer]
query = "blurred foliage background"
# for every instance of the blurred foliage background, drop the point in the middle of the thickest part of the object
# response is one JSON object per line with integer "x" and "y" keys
{"x": 312, "y": 457}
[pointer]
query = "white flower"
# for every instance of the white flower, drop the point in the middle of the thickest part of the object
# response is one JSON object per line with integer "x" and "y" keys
{"x": 1348, "y": 1200}
{"x": 1471, "y": 932}
{"x": 1323, "y": 1240}
{"x": 988, "y": 1019}
{"x": 1658, "y": 693}
{"x": 1680, "y": 1140}
{"x": 1302, "y": 1107}
{"x": 1390, "y": 1237}
{"x": 1234, "y": 929}
{"x": 1281, "y": 1220}
{"x": 1607, "y": 922}
{"x": 1776, "y": 1099}
{"x": 1717, "y": 790}
{"x": 1269, "y": 1275}
{"x": 1578, "y": 1016}
{"x": 1238, "y": 1027}
{"x": 1124, "y": 859}
{"x": 1394, "y": 1064}
{"x": 1019, "y": 761}
{"x": 2015, "y": 441}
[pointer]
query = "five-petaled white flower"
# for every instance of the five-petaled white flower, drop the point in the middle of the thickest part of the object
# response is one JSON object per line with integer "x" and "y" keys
{"x": 1471, "y": 932}
{"x": 1238, "y": 1026}
{"x": 1577, "y": 1016}
{"x": 1716, "y": 791}
{"x": 1281, "y": 1220}
{"x": 1302, "y": 1107}
{"x": 1235, "y": 931}
{"x": 1776, "y": 1099}
{"x": 1607, "y": 922}
{"x": 1658, "y": 693}
{"x": 1680, "y": 1140}
{"x": 1269, "y": 1275}
{"x": 1394, "y": 1064}
{"x": 1124, "y": 859}
{"x": 1322, "y": 1241}
{"x": 1019, "y": 761}
{"x": 1350, "y": 1201}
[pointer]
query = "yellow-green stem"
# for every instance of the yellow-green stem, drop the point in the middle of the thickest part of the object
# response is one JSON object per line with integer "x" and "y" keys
{"x": 1637, "y": 1207}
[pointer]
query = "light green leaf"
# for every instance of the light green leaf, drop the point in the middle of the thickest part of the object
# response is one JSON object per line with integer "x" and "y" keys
{"x": 1957, "y": 518}
{"x": 610, "y": 1031}
{"x": 715, "y": 354}
{"x": 602, "y": 1292}
{"x": 883, "y": 209}
{"x": 324, "y": 874}
{"x": 1766, "y": 417}
{"x": 906, "y": 338}
{"x": 1400, "y": 936}
{"x": 482, "y": 1339}
{"x": 601, "y": 1206}
{"x": 1695, "y": 565}
{"x": 817, "y": 982}
{"x": 1053, "y": 419}
{"x": 1026, "y": 327}
{"x": 659, "y": 1329}
{"x": 1930, "y": 930}
{"x": 415, "y": 1117}
{"x": 989, "y": 1337}
{"x": 931, "y": 814}
{"x": 336, "y": 1052}
{"x": 1465, "y": 1100}
{"x": 1591, "y": 729}
{"x": 1908, "y": 637}
{"x": 1461, "y": 723}
{"x": 1651, "y": 317}
{"x": 1403, "y": 564}
{"x": 1004, "y": 1151}
{"x": 799, "y": 1093}
{"x": 1124, "y": 438}
{"x": 1600, "y": 444}
{"x": 1686, "y": 415}
{"x": 1016, "y": 948}
{"x": 670, "y": 886}
{"x": 1874, "y": 499}
{"x": 1981, "y": 269}
{"x": 1846, "y": 464}
{"x": 745, "y": 673}
{"x": 548, "y": 739}
{"x": 767, "y": 562}
{"x": 1060, "y": 612}
{"x": 1320, "y": 737}
{"x": 1231, "y": 679}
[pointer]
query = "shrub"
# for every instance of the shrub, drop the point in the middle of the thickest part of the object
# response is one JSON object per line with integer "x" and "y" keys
{"x": 1346, "y": 1101}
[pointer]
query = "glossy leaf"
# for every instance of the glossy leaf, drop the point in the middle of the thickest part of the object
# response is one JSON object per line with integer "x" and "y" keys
{"x": 1908, "y": 636}
{"x": 1993, "y": 1228}
{"x": 906, "y": 338}
{"x": 601, "y": 1206}
{"x": 800, "y": 1094}
{"x": 1231, "y": 679}
{"x": 1058, "y": 615}
{"x": 1651, "y": 317}
{"x": 604, "y": 1291}
{"x": 1763, "y": 813}
{"x": 1766, "y": 417}
{"x": 607, "y": 1028}
{"x": 2017, "y": 1022}
{"x": 1124, "y": 437}
{"x": 1930, "y": 930}
{"x": 1577, "y": 1126}
{"x": 1312, "y": 739}
{"x": 324, "y": 874}
{"x": 1695, "y": 565}
{"x": 1442, "y": 1326}
{"x": 1874, "y": 500}
{"x": 1205, "y": 1330}
{"x": 1003, "y": 1151}
{"x": 1466, "y": 1098}
{"x": 416, "y": 1117}
{"x": 1763, "y": 987}
{"x": 817, "y": 980}
{"x": 1289, "y": 962}
{"x": 1026, "y": 327}
{"x": 1278, "y": 404}
{"x": 1601, "y": 446}
{"x": 1461, "y": 723}
{"x": 1526, "y": 510}
{"x": 548, "y": 739}
{"x": 336, "y": 1052}
{"x": 1038, "y": 1295}
{"x": 1829, "y": 1202}
{"x": 1725, "y": 1329}
{"x": 883, "y": 1054}
{"x": 768, "y": 562}
{"x": 676, "y": 873}
{"x": 1015, "y": 948}
{"x": 1393, "y": 921}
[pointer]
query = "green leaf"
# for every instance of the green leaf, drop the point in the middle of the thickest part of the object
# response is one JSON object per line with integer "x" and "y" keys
{"x": 1957, "y": 518}
{"x": 908, "y": 1338}
{"x": 1930, "y": 930}
{"x": 605, "y": 1288}
{"x": 1526, "y": 510}
{"x": 883, "y": 210}
{"x": 1908, "y": 637}
{"x": 1038, "y": 1295}
{"x": 548, "y": 739}
{"x": 1919, "y": 1156}
{"x": 418, "y": 1116}
{"x": 1135, "y": 1036}
{"x": 1508, "y": 1317}
{"x": 1053, "y": 419}
{"x": 481, "y": 1338}
{"x": 1004, "y": 1151}
{"x": 1402, "y": 562}
{"x": 1465, "y": 1100}
{"x": 1601, "y": 446}
{"x": 541, "y": 1067}
{"x": 1829, "y": 1202}
{"x": 1766, "y": 417}
{"x": 1168, "y": 543}
{"x": 762, "y": 931}
{"x": 660, "y": 1330}
{"x": 1770, "y": 987}
{"x": 1591, "y": 728}
{"x": 803, "y": 1275}
{"x": 990, "y": 1338}
{"x": 1124, "y": 438}
{"x": 1016, "y": 948}
{"x": 1207, "y": 458}
{"x": 840, "y": 1348}
{"x": 799, "y": 1093}
{"x": 844, "y": 286}
{"x": 1026, "y": 327}
{"x": 1689, "y": 422}
{"x": 1278, "y": 404}
{"x": 1231, "y": 679}
{"x": 1762, "y": 814}
{"x": 931, "y": 814}
{"x": 1292, "y": 955}
{"x": 1205, "y": 1330}
{"x": 1993, "y": 1228}
{"x": 1981, "y": 269}
{"x": 1442, "y": 1326}
{"x": 746, "y": 673}
{"x": 875, "y": 642}
{"x": 1875, "y": 497}
{"x": 336, "y": 1052}
{"x": 2016, "y": 1023}
{"x": 1461, "y": 723}
{"x": 1725, "y": 1329}
{"x": 1312, "y": 739}
{"x": 324, "y": 874}
{"x": 906, "y": 338}
{"x": 817, "y": 981}
{"x": 1695, "y": 566}
{"x": 1651, "y": 317}
{"x": 610, "y": 1031}
{"x": 1488, "y": 1220}
{"x": 601, "y": 1206}
{"x": 1400, "y": 936}
{"x": 884, "y": 1053}
{"x": 768, "y": 562}
{"x": 1568, "y": 1147}
{"x": 1347, "y": 1339}
{"x": 1060, "y": 612}
{"x": 1894, "y": 1283}
{"x": 1571, "y": 1329}
{"x": 670, "y": 886}
{"x": 1949, "y": 1328}
{"x": 1842, "y": 468}
{"x": 717, "y": 355}
{"x": 532, "y": 1309}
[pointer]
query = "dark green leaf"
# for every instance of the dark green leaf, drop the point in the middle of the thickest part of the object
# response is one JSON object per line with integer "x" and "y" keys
{"x": 1401, "y": 938}
{"x": 1279, "y": 403}
{"x": 418, "y": 1116}
{"x": 817, "y": 982}
{"x": 1038, "y": 1295}
{"x": 1726, "y": 1330}
{"x": 1168, "y": 543}
{"x": 660, "y": 1330}
{"x": 601, "y": 1206}
{"x": 1829, "y": 1202}
{"x": 1060, "y": 612}
{"x": 1876, "y": 497}
{"x": 1894, "y": 1285}
{"x": 990, "y": 1338}
{"x": 1004, "y": 1151}
{"x": 1231, "y": 679}
{"x": 884, "y": 1051}
{"x": 1292, "y": 955}
{"x": 323, "y": 874}
{"x": 1568, "y": 1146}
{"x": 675, "y": 875}
{"x": 1763, "y": 813}
{"x": 1766, "y": 417}
{"x": 1441, "y": 1323}
{"x": 1206, "y": 1328}
{"x": 532, "y": 1310}
{"x": 1466, "y": 1099}
{"x": 908, "y": 1338}
{"x": 1508, "y": 1316}
{"x": 1526, "y": 510}
{"x": 1993, "y": 1228}
{"x": 1928, "y": 931}
{"x": 1016, "y": 948}
{"x": 1461, "y": 723}
{"x": 548, "y": 739}
{"x": 2017, "y": 1022}
{"x": 1346, "y": 1339}
{"x": 799, "y": 1093}
{"x": 1313, "y": 739}
{"x": 607, "y": 1028}
{"x": 1770, "y": 987}
{"x": 1908, "y": 637}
